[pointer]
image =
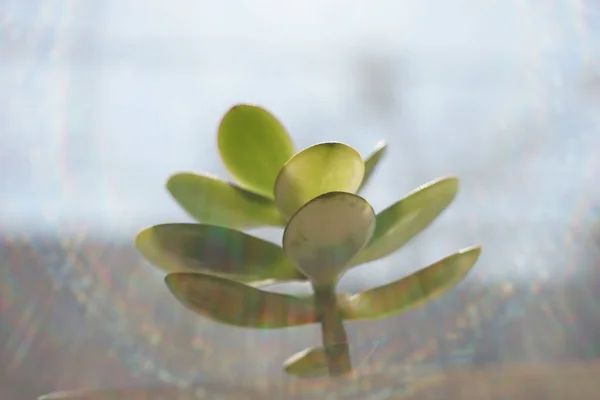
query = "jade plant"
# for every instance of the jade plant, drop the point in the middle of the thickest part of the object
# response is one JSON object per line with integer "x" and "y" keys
{"x": 221, "y": 272}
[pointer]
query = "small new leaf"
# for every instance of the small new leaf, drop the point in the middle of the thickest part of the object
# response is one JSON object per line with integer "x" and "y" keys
{"x": 372, "y": 162}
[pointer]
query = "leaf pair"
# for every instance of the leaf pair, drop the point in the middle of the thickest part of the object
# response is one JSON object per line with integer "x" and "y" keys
{"x": 235, "y": 303}
{"x": 321, "y": 239}
{"x": 274, "y": 181}
{"x": 229, "y": 253}
{"x": 319, "y": 242}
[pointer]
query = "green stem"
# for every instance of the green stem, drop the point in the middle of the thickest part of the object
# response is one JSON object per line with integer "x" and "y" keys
{"x": 335, "y": 340}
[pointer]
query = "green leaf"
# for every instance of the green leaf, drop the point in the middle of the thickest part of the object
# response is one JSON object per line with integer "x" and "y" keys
{"x": 254, "y": 145}
{"x": 215, "y": 250}
{"x": 322, "y": 168}
{"x": 326, "y": 233}
{"x": 234, "y": 303}
{"x": 405, "y": 219}
{"x": 416, "y": 289}
{"x": 213, "y": 201}
{"x": 309, "y": 363}
{"x": 372, "y": 162}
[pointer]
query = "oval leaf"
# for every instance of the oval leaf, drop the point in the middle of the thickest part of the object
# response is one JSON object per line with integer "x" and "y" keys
{"x": 213, "y": 201}
{"x": 372, "y": 162}
{"x": 234, "y": 303}
{"x": 217, "y": 251}
{"x": 416, "y": 289}
{"x": 402, "y": 221}
{"x": 309, "y": 363}
{"x": 326, "y": 233}
{"x": 323, "y": 168}
{"x": 254, "y": 145}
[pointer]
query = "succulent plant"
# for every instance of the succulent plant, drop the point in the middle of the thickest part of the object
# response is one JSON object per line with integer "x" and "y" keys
{"x": 216, "y": 270}
{"x": 222, "y": 207}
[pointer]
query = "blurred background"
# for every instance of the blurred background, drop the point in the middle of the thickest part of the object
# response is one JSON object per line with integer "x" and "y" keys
{"x": 100, "y": 101}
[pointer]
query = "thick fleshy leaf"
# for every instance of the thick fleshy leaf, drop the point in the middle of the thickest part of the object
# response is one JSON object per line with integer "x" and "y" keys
{"x": 217, "y": 251}
{"x": 213, "y": 201}
{"x": 326, "y": 233}
{"x": 322, "y": 168}
{"x": 233, "y": 303}
{"x": 405, "y": 219}
{"x": 309, "y": 363}
{"x": 254, "y": 145}
{"x": 372, "y": 162}
{"x": 408, "y": 293}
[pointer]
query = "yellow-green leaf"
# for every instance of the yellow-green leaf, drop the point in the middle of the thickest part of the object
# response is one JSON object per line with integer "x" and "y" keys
{"x": 309, "y": 363}
{"x": 322, "y": 168}
{"x": 326, "y": 233}
{"x": 405, "y": 219}
{"x": 254, "y": 145}
{"x": 213, "y": 201}
{"x": 215, "y": 250}
{"x": 234, "y": 303}
{"x": 372, "y": 162}
{"x": 408, "y": 293}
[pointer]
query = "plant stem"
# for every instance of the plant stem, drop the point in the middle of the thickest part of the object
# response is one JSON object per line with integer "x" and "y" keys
{"x": 335, "y": 340}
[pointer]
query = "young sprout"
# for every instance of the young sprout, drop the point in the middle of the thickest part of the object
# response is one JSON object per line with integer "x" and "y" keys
{"x": 216, "y": 270}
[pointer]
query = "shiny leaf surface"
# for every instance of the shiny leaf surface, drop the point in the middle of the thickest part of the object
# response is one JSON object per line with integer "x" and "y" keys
{"x": 254, "y": 145}
{"x": 323, "y": 168}
{"x": 213, "y": 201}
